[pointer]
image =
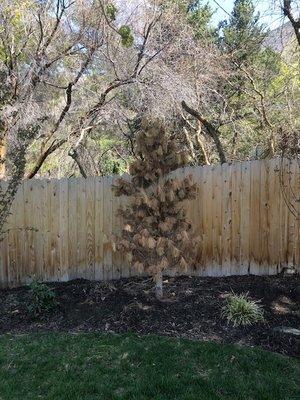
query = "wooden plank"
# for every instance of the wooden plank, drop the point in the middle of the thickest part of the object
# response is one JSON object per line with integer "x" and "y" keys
{"x": 290, "y": 221}
{"x": 55, "y": 230}
{"x": 294, "y": 212}
{"x": 127, "y": 269}
{"x": 117, "y": 257}
{"x": 236, "y": 172}
{"x": 190, "y": 208}
{"x": 20, "y": 233}
{"x": 90, "y": 228}
{"x": 264, "y": 218}
{"x": 72, "y": 229}
{"x": 297, "y": 205}
{"x": 217, "y": 220}
{"x": 245, "y": 218}
{"x": 81, "y": 228}
{"x": 4, "y": 260}
{"x": 107, "y": 229}
{"x": 37, "y": 226}
{"x": 45, "y": 218}
{"x": 3, "y": 264}
{"x": 99, "y": 210}
{"x": 197, "y": 223}
{"x": 46, "y": 223}
{"x": 226, "y": 219}
{"x": 207, "y": 220}
{"x": 284, "y": 212}
{"x": 29, "y": 251}
{"x": 255, "y": 206}
{"x": 64, "y": 229}
{"x": 274, "y": 212}
{"x": 13, "y": 241}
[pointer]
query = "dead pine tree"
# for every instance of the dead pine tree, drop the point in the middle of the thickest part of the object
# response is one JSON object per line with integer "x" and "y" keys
{"x": 156, "y": 235}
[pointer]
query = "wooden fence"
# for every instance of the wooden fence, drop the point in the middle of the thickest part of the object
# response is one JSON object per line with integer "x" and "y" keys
{"x": 61, "y": 229}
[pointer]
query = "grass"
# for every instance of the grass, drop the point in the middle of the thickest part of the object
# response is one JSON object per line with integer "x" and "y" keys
{"x": 94, "y": 366}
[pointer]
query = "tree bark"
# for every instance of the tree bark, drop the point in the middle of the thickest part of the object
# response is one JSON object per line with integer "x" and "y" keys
{"x": 190, "y": 143}
{"x": 287, "y": 10}
{"x": 158, "y": 285}
{"x": 211, "y": 130}
{"x": 201, "y": 147}
{"x": 2, "y": 158}
{"x": 74, "y": 154}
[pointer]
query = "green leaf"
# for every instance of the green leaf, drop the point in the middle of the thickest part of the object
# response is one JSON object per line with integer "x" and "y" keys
{"x": 126, "y": 35}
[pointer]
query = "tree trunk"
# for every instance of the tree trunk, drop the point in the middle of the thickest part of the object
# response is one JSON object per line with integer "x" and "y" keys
{"x": 201, "y": 147}
{"x": 158, "y": 285}
{"x": 210, "y": 128}
{"x": 2, "y": 158}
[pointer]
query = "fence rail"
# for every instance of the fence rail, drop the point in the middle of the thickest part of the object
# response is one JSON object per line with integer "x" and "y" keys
{"x": 61, "y": 229}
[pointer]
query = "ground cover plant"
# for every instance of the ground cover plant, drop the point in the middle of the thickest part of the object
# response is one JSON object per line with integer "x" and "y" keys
{"x": 111, "y": 367}
{"x": 193, "y": 309}
{"x": 41, "y": 299}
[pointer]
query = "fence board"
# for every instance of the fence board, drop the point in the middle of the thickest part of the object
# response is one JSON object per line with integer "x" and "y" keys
{"x": 217, "y": 219}
{"x": 62, "y": 229}
{"x": 226, "y": 233}
{"x": 235, "y": 194}
{"x": 99, "y": 229}
{"x": 264, "y": 229}
{"x": 207, "y": 220}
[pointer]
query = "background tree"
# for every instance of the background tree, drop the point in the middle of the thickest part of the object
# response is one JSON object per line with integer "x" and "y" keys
{"x": 76, "y": 77}
{"x": 156, "y": 235}
{"x": 52, "y": 55}
{"x": 289, "y": 8}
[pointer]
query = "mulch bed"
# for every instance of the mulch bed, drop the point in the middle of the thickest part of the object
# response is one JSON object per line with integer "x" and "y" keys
{"x": 192, "y": 309}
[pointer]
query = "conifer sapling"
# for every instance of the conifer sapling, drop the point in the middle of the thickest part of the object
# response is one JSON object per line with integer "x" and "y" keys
{"x": 156, "y": 235}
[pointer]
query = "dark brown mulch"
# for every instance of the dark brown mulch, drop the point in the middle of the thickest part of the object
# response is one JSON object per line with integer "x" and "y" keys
{"x": 192, "y": 309}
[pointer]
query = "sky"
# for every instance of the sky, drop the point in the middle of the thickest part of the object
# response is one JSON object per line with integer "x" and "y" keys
{"x": 268, "y": 15}
{"x": 272, "y": 18}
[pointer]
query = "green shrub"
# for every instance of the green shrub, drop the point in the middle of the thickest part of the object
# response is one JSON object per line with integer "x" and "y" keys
{"x": 41, "y": 299}
{"x": 240, "y": 310}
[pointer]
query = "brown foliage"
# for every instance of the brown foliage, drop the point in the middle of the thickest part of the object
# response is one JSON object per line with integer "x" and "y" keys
{"x": 156, "y": 236}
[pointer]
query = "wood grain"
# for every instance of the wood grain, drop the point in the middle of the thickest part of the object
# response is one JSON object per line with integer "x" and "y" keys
{"x": 63, "y": 229}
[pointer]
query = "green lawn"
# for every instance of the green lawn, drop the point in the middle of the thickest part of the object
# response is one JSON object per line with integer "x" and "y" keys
{"x": 94, "y": 366}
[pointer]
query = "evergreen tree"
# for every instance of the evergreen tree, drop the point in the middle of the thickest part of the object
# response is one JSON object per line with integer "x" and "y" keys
{"x": 198, "y": 14}
{"x": 242, "y": 35}
{"x": 156, "y": 235}
{"x": 241, "y": 40}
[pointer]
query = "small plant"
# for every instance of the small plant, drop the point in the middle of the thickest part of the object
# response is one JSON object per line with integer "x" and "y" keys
{"x": 242, "y": 311}
{"x": 41, "y": 299}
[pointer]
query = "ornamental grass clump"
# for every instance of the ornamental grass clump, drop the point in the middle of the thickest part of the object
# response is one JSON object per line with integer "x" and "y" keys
{"x": 240, "y": 310}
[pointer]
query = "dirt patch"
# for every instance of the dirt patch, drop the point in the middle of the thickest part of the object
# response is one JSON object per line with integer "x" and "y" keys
{"x": 192, "y": 309}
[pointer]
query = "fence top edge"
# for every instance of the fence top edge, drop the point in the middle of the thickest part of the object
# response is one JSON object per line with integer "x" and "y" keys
{"x": 114, "y": 177}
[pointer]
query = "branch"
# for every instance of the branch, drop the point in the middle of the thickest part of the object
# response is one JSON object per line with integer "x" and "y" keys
{"x": 141, "y": 53}
{"x": 211, "y": 130}
{"x": 287, "y": 10}
{"x": 51, "y": 149}
{"x": 73, "y": 153}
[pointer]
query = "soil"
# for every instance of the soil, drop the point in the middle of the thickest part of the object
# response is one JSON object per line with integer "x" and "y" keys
{"x": 192, "y": 309}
